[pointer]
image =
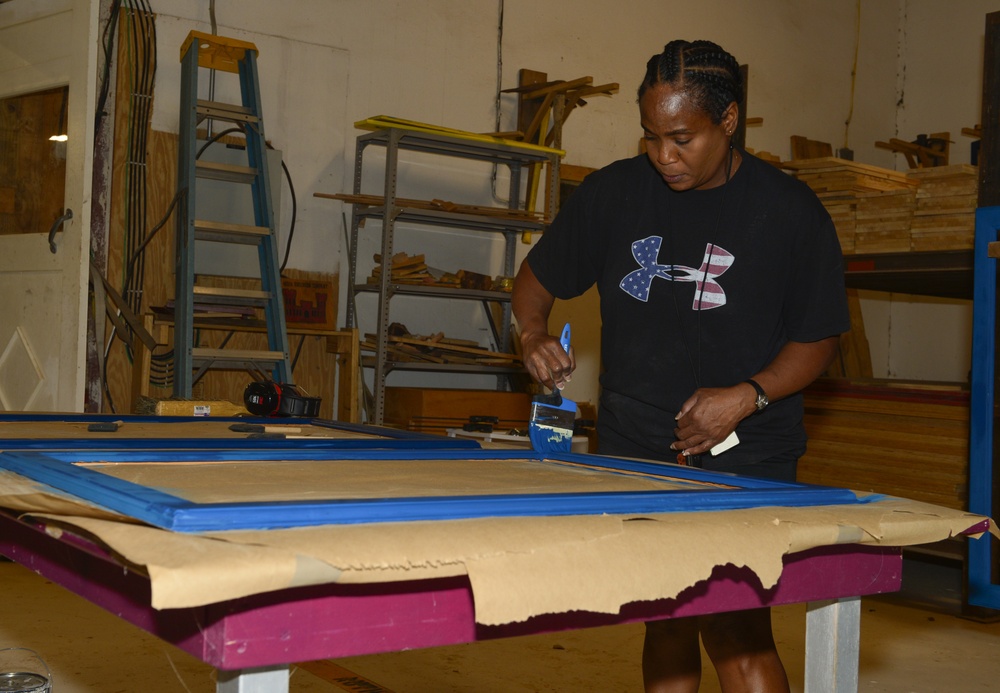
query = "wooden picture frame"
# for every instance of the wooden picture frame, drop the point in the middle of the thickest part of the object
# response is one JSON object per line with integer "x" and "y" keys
{"x": 139, "y": 432}
{"x": 660, "y": 488}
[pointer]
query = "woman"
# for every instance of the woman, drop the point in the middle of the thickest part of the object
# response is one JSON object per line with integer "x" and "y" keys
{"x": 722, "y": 296}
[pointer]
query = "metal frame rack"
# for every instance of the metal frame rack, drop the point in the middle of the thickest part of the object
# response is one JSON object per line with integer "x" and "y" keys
{"x": 517, "y": 158}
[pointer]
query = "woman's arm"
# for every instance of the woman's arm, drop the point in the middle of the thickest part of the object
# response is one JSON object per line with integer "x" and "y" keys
{"x": 543, "y": 356}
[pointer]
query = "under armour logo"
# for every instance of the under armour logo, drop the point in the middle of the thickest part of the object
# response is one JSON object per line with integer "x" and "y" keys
{"x": 708, "y": 294}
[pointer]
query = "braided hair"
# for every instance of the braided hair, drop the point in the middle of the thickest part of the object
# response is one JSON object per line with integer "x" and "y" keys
{"x": 703, "y": 70}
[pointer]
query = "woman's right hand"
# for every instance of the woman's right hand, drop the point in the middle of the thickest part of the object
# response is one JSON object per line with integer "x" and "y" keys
{"x": 544, "y": 357}
{"x": 546, "y": 360}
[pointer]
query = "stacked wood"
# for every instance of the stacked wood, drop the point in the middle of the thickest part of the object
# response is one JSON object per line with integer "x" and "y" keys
{"x": 883, "y": 221}
{"x": 902, "y": 440}
{"x": 945, "y": 214}
{"x": 405, "y": 347}
{"x": 404, "y": 269}
{"x": 843, "y": 211}
{"x": 833, "y": 175}
{"x": 841, "y": 185}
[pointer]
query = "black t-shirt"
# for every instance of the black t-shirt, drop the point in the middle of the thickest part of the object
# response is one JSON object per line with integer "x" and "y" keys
{"x": 760, "y": 257}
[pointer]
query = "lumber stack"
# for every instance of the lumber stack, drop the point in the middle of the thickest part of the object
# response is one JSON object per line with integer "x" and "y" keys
{"x": 945, "y": 213}
{"x": 876, "y": 210}
{"x": 883, "y": 221}
{"x": 831, "y": 175}
{"x": 844, "y": 212}
{"x": 910, "y": 441}
{"x": 842, "y": 185}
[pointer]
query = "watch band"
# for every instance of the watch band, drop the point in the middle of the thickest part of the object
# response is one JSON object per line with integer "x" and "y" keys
{"x": 762, "y": 399}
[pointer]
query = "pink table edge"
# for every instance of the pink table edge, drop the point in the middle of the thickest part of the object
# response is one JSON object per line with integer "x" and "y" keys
{"x": 333, "y": 620}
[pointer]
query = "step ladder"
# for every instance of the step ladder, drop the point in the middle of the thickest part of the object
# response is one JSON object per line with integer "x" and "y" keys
{"x": 216, "y": 53}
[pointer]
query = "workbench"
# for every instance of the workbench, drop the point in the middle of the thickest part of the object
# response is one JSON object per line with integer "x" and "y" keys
{"x": 252, "y": 602}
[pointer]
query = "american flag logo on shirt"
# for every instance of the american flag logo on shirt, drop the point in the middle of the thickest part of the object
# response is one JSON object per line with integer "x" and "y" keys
{"x": 708, "y": 293}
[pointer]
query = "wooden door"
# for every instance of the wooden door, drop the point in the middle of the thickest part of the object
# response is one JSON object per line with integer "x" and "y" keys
{"x": 50, "y": 51}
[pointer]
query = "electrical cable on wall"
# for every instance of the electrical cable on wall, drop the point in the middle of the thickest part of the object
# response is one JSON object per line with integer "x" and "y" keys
{"x": 108, "y": 36}
{"x": 498, "y": 103}
{"x": 854, "y": 75}
{"x": 295, "y": 206}
{"x": 136, "y": 28}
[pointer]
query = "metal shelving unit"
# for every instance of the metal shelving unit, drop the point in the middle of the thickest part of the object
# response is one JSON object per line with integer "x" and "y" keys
{"x": 518, "y": 159}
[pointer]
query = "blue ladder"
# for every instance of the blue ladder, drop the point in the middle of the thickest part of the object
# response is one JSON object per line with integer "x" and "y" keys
{"x": 217, "y": 53}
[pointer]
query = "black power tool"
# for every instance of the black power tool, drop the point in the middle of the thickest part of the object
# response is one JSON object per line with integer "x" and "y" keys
{"x": 268, "y": 398}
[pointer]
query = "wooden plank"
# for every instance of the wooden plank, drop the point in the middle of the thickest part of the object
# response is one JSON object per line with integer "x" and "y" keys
{"x": 902, "y": 440}
{"x": 557, "y": 86}
{"x": 855, "y": 355}
{"x": 805, "y": 148}
{"x": 441, "y": 205}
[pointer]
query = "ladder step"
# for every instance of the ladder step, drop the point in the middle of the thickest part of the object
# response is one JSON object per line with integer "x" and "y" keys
{"x": 234, "y": 113}
{"x": 224, "y": 232}
{"x": 232, "y": 173}
{"x": 200, "y": 355}
{"x": 231, "y": 297}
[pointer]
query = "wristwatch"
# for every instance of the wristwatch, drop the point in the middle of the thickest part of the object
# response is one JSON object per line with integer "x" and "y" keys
{"x": 762, "y": 400}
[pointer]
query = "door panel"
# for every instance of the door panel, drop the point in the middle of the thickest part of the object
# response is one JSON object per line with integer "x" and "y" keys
{"x": 46, "y": 44}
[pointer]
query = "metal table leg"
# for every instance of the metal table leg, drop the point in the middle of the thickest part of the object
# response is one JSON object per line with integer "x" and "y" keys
{"x": 833, "y": 638}
{"x": 257, "y": 680}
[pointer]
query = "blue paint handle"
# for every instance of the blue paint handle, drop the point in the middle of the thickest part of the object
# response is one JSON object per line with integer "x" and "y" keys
{"x": 564, "y": 338}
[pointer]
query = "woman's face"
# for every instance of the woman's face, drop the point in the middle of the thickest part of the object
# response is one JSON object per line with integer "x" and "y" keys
{"x": 688, "y": 150}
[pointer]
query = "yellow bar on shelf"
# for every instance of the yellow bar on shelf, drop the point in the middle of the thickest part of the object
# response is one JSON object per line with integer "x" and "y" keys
{"x": 382, "y": 122}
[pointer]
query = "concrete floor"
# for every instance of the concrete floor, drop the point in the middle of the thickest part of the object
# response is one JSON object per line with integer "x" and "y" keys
{"x": 904, "y": 649}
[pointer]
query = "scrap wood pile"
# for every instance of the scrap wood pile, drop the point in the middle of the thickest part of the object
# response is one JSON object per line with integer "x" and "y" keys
{"x": 412, "y": 269}
{"x": 877, "y": 210}
{"x": 436, "y": 348}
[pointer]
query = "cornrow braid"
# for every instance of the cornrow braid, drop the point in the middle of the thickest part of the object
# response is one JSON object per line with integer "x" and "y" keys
{"x": 702, "y": 69}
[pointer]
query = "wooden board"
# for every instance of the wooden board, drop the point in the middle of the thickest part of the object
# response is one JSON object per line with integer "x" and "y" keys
{"x": 433, "y": 410}
{"x": 903, "y": 440}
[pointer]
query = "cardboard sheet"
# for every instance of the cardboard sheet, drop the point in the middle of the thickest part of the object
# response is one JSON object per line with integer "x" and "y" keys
{"x": 281, "y": 480}
{"x": 518, "y": 567}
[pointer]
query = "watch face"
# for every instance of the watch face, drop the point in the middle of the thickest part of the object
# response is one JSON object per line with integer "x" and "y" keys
{"x": 762, "y": 402}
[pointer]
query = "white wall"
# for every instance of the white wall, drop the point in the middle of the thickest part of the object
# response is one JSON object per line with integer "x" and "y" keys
{"x": 327, "y": 64}
{"x": 939, "y": 89}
